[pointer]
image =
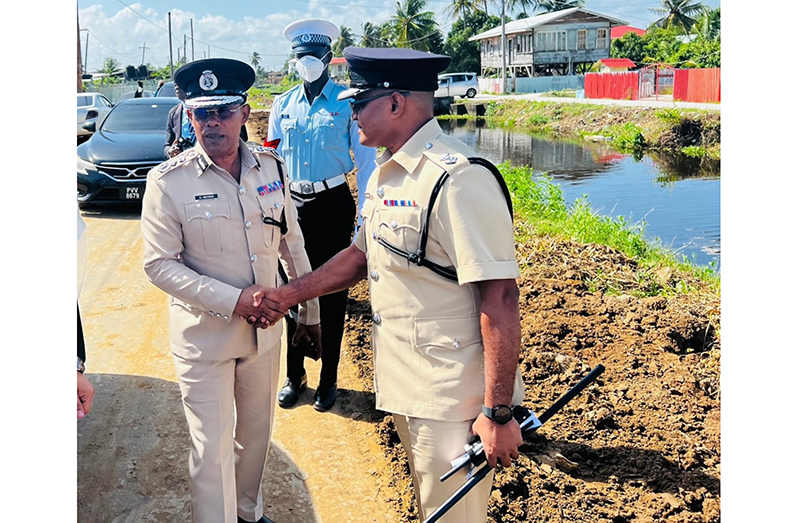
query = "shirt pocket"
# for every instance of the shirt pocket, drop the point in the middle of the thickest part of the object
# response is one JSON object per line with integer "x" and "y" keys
{"x": 448, "y": 334}
{"x": 400, "y": 227}
{"x": 290, "y": 131}
{"x": 208, "y": 224}
{"x": 330, "y": 133}
{"x": 271, "y": 208}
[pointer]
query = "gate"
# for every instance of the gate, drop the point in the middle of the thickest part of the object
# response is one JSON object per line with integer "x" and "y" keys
{"x": 656, "y": 80}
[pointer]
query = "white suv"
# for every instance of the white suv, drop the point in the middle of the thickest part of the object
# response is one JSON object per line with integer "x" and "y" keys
{"x": 457, "y": 84}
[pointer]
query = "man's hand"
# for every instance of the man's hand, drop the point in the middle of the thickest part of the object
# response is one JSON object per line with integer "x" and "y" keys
{"x": 311, "y": 335}
{"x": 174, "y": 150}
{"x": 260, "y": 312}
{"x": 500, "y": 442}
{"x": 85, "y": 395}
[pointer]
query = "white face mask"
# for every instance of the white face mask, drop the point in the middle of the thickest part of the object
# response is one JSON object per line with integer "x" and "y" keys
{"x": 309, "y": 68}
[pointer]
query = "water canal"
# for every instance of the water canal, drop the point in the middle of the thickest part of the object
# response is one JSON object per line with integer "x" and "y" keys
{"x": 677, "y": 199}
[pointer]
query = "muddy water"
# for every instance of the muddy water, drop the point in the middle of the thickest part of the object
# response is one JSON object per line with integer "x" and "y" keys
{"x": 676, "y": 198}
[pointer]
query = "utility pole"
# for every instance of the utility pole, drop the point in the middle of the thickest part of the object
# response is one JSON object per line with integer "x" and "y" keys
{"x": 171, "y": 66}
{"x": 192, "y": 39}
{"x": 86, "y": 54}
{"x": 504, "y": 53}
{"x": 185, "y": 60}
{"x": 143, "y": 48}
{"x": 80, "y": 70}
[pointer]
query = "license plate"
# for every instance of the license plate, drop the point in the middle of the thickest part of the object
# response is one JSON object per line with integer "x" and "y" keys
{"x": 132, "y": 193}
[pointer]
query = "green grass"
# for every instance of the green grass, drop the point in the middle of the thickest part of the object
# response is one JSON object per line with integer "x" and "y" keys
{"x": 540, "y": 202}
{"x": 626, "y": 136}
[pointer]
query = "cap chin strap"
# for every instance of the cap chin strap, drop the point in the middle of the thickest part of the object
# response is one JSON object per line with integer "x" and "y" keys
{"x": 419, "y": 257}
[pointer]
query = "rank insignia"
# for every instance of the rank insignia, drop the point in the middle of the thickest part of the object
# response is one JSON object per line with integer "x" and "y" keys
{"x": 399, "y": 203}
{"x": 448, "y": 159}
{"x": 263, "y": 190}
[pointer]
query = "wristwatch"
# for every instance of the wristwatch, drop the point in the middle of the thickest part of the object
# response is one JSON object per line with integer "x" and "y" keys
{"x": 501, "y": 414}
{"x": 81, "y": 366}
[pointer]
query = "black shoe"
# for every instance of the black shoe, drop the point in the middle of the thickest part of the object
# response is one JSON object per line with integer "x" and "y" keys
{"x": 264, "y": 519}
{"x": 290, "y": 392}
{"x": 324, "y": 398}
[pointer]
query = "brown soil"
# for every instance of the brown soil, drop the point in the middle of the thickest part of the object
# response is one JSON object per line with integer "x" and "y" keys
{"x": 645, "y": 437}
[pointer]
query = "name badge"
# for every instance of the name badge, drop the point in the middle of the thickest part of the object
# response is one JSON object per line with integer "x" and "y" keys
{"x": 206, "y": 196}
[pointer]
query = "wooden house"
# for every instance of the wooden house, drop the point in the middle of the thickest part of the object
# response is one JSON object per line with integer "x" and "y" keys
{"x": 561, "y": 43}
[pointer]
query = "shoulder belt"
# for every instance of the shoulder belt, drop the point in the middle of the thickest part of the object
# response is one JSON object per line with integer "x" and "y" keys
{"x": 419, "y": 257}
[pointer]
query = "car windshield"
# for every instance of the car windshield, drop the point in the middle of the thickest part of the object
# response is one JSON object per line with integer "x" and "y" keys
{"x": 137, "y": 117}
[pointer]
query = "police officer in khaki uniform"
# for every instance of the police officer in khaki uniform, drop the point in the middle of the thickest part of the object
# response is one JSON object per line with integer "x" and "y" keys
{"x": 215, "y": 219}
{"x": 446, "y": 327}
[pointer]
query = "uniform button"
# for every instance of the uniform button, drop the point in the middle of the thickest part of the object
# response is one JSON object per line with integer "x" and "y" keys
{"x": 456, "y": 344}
{"x": 428, "y": 145}
{"x": 208, "y": 215}
{"x": 377, "y": 319}
{"x": 374, "y": 234}
{"x": 218, "y": 315}
{"x": 248, "y": 224}
{"x": 306, "y": 164}
{"x": 375, "y": 275}
{"x": 226, "y": 317}
{"x": 276, "y": 205}
{"x": 212, "y": 313}
{"x": 332, "y": 125}
{"x": 394, "y": 225}
{"x": 242, "y": 190}
{"x": 307, "y": 141}
{"x": 380, "y": 193}
{"x": 253, "y": 258}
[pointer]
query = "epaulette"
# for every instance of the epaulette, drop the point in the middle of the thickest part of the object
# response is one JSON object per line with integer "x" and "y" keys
{"x": 271, "y": 151}
{"x": 177, "y": 161}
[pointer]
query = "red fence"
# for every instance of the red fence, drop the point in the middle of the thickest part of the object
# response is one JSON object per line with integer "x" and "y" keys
{"x": 618, "y": 86}
{"x": 689, "y": 85}
{"x": 697, "y": 85}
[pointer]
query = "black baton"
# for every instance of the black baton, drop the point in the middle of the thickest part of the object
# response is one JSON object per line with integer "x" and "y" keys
{"x": 475, "y": 454}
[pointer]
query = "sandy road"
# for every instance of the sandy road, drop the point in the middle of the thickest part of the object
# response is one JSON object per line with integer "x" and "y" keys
{"x": 133, "y": 447}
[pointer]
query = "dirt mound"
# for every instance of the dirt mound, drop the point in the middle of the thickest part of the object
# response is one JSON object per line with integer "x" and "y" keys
{"x": 640, "y": 444}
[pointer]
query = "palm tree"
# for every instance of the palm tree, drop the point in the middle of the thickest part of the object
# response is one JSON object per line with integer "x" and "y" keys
{"x": 255, "y": 59}
{"x": 110, "y": 66}
{"x": 463, "y": 8}
{"x": 345, "y": 39}
{"x": 707, "y": 26}
{"x": 549, "y": 6}
{"x": 677, "y": 13}
{"x": 523, "y": 4}
{"x": 371, "y": 36}
{"x": 414, "y": 27}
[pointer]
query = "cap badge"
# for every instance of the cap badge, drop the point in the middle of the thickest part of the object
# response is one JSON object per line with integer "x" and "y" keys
{"x": 305, "y": 38}
{"x": 208, "y": 81}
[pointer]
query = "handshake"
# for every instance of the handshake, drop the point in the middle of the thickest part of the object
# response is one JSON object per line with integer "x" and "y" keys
{"x": 263, "y": 307}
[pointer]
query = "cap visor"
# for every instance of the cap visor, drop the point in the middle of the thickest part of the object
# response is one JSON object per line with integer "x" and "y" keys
{"x": 202, "y": 102}
{"x": 349, "y": 93}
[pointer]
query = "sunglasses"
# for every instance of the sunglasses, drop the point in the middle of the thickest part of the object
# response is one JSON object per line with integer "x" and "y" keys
{"x": 223, "y": 113}
{"x": 358, "y": 105}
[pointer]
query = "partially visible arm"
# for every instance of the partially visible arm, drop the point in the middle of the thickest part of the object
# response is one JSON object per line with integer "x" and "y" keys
{"x": 366, "y": 161}
{"x": 170, "y": 131}
{"x": 274, "y": 134}
{"x": 501, "y": 336}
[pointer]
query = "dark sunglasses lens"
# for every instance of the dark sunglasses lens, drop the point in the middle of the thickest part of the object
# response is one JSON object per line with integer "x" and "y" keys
{"x": 222, "y": 112}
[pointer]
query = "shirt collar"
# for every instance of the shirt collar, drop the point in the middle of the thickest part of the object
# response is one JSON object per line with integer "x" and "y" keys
{"x": 326, "y": 90}
{"x": 410, "y": 154}
{"x": 248, "y": 160}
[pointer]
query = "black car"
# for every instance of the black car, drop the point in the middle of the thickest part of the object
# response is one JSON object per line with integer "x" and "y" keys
{"x": 113, "y": 163}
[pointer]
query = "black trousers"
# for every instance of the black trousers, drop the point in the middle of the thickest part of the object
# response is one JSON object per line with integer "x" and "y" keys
{"x": 327, "y": 220}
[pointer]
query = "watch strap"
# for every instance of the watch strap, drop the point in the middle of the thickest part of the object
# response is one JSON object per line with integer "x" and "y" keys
{"x": 81, "y": 366}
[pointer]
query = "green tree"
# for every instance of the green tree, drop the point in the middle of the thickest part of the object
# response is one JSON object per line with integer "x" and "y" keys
{"x": 525, "y": 6}
{"x": 255, "y": 59}
{"x": 110, "y": 66}
{"x": 416, "y": 28}
{"x": 549, "y": 6}
{"x": 707, "y": 26}
{"x": 388, "y": 34}
{"x": 630, "y": 45}
{"x": 345, "y": 39}
{"x": 371, "y": 36}
{"x": 460, "y": 8}
{"x": 465, "y": 54}
{"x": 677, "y": 13}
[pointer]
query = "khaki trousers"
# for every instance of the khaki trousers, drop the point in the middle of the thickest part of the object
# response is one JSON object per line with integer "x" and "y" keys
{"x": 229, "y": 407}
{"x": 430, "y": 446}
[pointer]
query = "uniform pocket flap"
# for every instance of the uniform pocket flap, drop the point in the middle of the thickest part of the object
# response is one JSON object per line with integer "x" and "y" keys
{"x": 207, "y": 209}
{"x": 452, "y": 333}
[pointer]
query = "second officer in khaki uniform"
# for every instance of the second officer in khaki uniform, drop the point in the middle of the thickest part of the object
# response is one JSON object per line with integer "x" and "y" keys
{"x": 214, "y": 221}
{"x": 446, "y": 327}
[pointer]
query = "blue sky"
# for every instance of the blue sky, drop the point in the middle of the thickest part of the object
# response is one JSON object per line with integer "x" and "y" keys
{"x": 124, "y": 29}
